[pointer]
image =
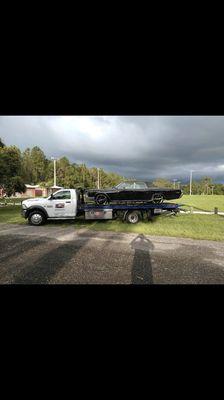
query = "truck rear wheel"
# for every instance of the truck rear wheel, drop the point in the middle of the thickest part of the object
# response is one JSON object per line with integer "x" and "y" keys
{"x": 133, "y": 217}
{"x": 36, "y": 218}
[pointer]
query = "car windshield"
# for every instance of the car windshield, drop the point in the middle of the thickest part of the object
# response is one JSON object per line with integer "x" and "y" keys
{"x": 124, "y": 185}
{"x": 131, "y": 185}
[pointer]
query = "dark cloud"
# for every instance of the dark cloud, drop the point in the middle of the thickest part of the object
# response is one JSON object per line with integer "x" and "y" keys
{"x": 144, "y": 147}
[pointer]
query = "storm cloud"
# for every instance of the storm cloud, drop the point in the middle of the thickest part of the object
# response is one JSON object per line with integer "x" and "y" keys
{"x": 143, "y": 147}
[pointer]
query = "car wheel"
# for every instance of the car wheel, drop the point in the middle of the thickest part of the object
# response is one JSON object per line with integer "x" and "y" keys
{"x": 101, "y": 199}
{"x": 36, "y": 218}
{"x": 133, "y": 217}
{"x": 157, "y": 198}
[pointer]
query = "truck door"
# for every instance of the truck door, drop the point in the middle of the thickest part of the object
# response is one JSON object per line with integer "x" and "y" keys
{"x": 61, "y": 205}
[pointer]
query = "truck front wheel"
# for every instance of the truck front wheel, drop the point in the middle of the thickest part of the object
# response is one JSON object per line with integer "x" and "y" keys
{"x": 36, "y": 218}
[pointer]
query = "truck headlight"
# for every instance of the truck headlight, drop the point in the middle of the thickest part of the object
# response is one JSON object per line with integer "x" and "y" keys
{"x": 24, "y": 206}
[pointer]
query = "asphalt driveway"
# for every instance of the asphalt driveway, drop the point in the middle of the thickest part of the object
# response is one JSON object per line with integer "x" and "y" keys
{"x": 56, "y": 254}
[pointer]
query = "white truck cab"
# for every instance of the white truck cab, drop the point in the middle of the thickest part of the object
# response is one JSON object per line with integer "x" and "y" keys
{"x": 62, "y": 204}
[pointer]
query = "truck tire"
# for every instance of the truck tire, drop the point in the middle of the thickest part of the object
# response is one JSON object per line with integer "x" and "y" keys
{"x": 36, "y": 218}
{"x": 101, "y": 199}
{"x": 133, "y": 217}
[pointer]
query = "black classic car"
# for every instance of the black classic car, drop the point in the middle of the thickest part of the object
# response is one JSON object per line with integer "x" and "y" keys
{"x": 132, "y": 192}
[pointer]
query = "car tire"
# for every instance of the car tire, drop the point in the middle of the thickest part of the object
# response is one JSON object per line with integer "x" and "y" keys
{"x": 157, "y": 198}
{"x": 101, "y": 199}
{"x": 133, "y": 217}
{"x": 36, "y": 218}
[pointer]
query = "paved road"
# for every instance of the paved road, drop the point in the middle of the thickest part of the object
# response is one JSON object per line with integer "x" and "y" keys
{"x": 56, "y": 254}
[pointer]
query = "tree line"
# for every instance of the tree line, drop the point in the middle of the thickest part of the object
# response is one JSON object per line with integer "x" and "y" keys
{"x": 204, "y": 186}
{"x": 33, "y": 167}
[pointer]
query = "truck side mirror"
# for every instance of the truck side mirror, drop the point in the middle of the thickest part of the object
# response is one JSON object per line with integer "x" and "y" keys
{"x": 51, "y": 197}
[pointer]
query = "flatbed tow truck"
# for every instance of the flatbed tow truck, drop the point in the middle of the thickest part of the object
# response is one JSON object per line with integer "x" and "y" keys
{"x": 70, "y": 204}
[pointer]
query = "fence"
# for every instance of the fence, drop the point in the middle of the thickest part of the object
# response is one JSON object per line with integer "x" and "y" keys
{"x": 192, "y": 211}
{"x": 10, "y": 203}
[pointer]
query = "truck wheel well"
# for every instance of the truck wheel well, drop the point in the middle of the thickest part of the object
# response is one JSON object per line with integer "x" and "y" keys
{"x": 37, "y": 209}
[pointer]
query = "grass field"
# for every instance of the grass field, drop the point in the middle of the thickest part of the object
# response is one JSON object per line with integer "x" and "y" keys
{"x": 203, "y": 203}
{"x": 11, "y": 215}
{"x": 210, "y": 227}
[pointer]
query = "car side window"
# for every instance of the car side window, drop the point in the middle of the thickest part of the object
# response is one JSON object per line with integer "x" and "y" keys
{"x": 140, "y": 185}
{"x": 121, "y": 186}
{"x": 127, "y": 186}
{"x": 131, "y": 186}
{"x": 66, "y": 194}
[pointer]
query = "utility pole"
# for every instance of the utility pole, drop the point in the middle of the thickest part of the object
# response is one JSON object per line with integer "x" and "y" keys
{"x": 54, "y": 172}
{"x": 98, "y": 179}
{"x": 83, "y": 175}
{"x": 54, "y": 159}
{"x": 191, "y": 181}
{"x": 174, "y": 180}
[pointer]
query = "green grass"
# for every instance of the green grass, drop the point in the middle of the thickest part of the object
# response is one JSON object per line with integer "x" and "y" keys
{"x": 204, "y": 203}
{"x": 11, "y": 215}
{"x": 210, "y": 227}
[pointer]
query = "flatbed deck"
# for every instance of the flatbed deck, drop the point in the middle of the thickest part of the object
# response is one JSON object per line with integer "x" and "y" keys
{"x": 162, "y": 206}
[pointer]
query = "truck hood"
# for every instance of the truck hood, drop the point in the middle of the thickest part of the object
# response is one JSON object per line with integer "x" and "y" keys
{"x": 36, "y": 200}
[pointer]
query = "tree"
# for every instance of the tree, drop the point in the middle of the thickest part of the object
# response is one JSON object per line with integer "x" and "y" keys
{"x": 194, "y": 188}
{"x": 13, "y": 185}
{"x": 160, "y": 182}
{"x": 218, "y": 188}
{"x": 63, "y": 172}
{"x": 10, "y": 162}
{"x": 1, "y": 143}
{"x": 39, "y": 164}
{"x": 11, "y": 170}
{"x": 33, "y": 167}
{"x": 204, "y": 184}
{"x": 27, "y": 167}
